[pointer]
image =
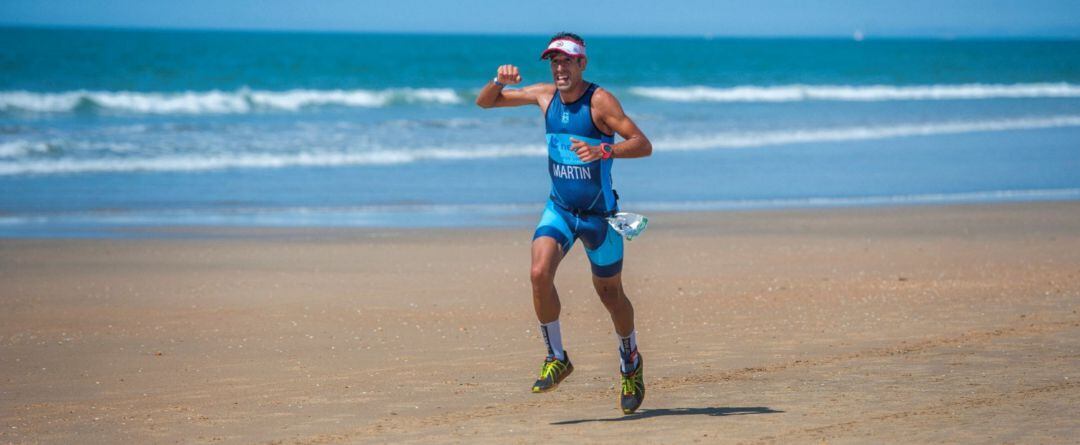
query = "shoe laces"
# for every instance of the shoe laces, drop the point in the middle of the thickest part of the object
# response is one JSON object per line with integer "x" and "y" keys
{"x": 552, "y": 367}
{"x": 629, "y": 384}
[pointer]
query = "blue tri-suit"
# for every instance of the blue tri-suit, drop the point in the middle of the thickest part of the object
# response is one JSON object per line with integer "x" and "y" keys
{"x": 581, "y": 194}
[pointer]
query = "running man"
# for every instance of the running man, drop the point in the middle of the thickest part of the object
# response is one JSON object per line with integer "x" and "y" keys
{"x": 581, "y": 120}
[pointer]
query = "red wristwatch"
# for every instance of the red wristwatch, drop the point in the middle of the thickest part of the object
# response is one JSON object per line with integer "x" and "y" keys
{"x": 606, "y": 150}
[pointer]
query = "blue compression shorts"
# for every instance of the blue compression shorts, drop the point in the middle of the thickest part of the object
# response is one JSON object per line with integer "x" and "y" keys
{"x": 603, "y": 244}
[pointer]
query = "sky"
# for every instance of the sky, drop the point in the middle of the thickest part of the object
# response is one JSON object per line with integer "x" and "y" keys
{"x": 758, "y": 18}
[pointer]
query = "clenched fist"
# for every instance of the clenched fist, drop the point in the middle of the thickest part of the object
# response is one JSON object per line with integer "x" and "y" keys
{"x": 508, "y": 75}
{"x": 584, "y": 151}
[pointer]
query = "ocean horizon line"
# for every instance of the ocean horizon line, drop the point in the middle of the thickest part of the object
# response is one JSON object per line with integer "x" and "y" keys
{"x": 872, "y": 37}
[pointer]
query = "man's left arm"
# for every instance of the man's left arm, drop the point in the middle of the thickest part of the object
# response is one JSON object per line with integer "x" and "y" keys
{"x": 609, "y": 112}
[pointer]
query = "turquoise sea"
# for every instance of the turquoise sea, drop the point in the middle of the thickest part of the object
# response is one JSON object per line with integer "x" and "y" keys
{"x": 111, "y": 129}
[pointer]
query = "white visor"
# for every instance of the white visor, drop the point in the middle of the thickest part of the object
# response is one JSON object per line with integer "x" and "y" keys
{"x": 568, "y": 47}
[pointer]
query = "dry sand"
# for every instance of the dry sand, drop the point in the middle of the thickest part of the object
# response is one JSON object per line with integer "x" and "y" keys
{"x": 884, "y": 325}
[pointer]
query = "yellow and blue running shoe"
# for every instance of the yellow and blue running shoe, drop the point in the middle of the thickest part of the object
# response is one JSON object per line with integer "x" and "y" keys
{"x": 552, "y": 372}
{"x": 633, "y": 388}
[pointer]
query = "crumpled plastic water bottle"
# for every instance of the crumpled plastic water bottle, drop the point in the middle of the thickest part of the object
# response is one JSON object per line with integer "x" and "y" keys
{"x": 629, "y": 225}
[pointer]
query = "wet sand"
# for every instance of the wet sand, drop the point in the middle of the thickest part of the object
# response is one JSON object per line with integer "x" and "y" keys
{"x": 876, "y": 325}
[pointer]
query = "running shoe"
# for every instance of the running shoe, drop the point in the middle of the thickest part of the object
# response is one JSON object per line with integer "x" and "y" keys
{"x": 552, "y": 372}
{"x": 633, "y": 388}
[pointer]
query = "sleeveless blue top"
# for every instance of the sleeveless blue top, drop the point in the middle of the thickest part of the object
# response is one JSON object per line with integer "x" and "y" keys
{"x": 575, "y": 185}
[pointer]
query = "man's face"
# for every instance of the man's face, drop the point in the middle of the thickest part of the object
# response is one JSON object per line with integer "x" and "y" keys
{"x": 566, "y": 71}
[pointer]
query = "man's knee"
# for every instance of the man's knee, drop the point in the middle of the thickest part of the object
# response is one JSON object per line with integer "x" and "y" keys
{"x": 545, "y": 258}
{"x": 542, "y": 274}
{"x": 610, "y": 291}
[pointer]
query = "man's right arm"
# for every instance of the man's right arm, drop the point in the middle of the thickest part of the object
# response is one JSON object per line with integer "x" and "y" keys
{"x": 494, "y": 95}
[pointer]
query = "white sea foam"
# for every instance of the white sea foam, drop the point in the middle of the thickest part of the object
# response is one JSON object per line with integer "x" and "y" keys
{"x": 19, "y": 148}
{"x": 217, "y": 102}
{"x": 383, "y": 156}
{"x": 825, "y": 201}
{"x": 259, "y": 160}
{"x": 782, "y": 137}
{"x": 245, "y": 214}
{"x": 246, "y": 100}
{"x": 405, "y": 213}
{"x": 868, "y": 93}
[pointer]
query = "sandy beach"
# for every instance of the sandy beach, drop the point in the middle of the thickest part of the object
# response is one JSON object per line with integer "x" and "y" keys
{"x": 925, "y": 324}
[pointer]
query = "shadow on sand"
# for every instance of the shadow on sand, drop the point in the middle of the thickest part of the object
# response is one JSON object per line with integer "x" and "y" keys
{"x": 647, "y": 413}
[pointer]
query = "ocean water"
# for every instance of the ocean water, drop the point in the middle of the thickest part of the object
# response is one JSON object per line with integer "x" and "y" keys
{"x": 107, "y": 129}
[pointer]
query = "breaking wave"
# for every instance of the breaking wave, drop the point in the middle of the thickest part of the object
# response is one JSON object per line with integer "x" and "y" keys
{"x": 782, "y": 137}
{"x": 23, "y": 157}
{"x": 217, "y": 102}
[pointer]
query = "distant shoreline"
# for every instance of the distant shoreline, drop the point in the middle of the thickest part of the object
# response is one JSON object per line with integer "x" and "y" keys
{"x": 520, "y": 220}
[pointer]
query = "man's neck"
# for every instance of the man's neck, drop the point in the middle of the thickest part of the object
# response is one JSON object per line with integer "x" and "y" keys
{"x": 571, "y": 97}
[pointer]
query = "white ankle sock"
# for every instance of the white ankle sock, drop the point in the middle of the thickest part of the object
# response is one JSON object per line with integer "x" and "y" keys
{"x": 627, "y": 346}
{"x": 553, "y": 337}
